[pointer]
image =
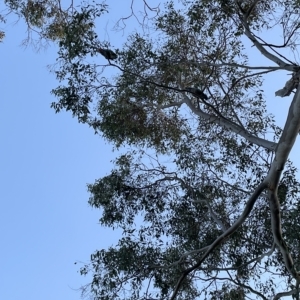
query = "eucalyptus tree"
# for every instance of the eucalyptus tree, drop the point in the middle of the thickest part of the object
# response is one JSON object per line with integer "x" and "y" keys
{"x": 45, "y": 21}
{"x": 207, "y": 199}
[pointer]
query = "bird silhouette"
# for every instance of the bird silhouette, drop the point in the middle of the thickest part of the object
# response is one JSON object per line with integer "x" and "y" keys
{"x": 107, "y": 53}
{"x": 196, "y": 92}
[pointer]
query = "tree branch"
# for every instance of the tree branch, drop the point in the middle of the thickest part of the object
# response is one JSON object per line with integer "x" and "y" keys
{"x": 285, "y": 294}
{"x": 232, "y": 126}
{"x": 248, "y": 208}
{"x": 222, "y": 121}
{"x": 204, "y": 64}
{"x": 262, "y": 50}
{"x": 285, "y": 145}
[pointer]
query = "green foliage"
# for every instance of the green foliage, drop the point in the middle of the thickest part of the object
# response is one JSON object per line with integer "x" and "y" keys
{"x": 170, "y": 213}
{"x": 49, "y": 21}
{"x": 193, "y": 164}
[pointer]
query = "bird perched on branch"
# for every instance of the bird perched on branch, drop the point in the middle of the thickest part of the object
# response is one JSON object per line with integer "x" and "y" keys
{"x": 197, "y": 93}
{"x": 107, "y": 53}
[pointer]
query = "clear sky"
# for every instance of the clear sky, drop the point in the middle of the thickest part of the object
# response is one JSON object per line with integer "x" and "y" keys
{"x": 46, "y": 160}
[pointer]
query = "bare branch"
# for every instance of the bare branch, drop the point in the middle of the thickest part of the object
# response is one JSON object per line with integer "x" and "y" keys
{"x": 272, "y": 46}
{"x": 232, "y": 126}
{"x": 147, "y": 8}
{"x": 261, "y": 48}
{"x": 205, "y": 63}
{"x": 285, "y": 294}
{"x": 179, "y": 103}
{"x": 285, "y": 145}
{"x": 290, "y": 85}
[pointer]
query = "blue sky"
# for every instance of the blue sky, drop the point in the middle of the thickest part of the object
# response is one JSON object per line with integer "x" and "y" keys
{"x": 46, "y": 160}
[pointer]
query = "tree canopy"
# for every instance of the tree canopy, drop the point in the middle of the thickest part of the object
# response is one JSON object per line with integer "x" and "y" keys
{"x": 207, "y": 198}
